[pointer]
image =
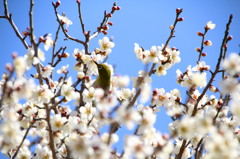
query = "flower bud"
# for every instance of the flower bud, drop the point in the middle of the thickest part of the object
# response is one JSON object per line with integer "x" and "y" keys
{"x": 114, "y": 8}
{"x": 78, "y": 1}
{"x": 213, "y": 89}
{"x": 9, "y": 67}
{"x": 110, "y": 23}
{"x": 179, "y": 10}
{"x": 25, "y": 33}
{"x": 198, "y": 49}
{"x": 199, "y": 33}
{"x": 207, "y": 43}
{"x": 180, "y": 19}
{"x": 65, "y": 55}
{"x": 104, "y": 32}
{"x": 204, "y": 54}
{"x": 57, "y": 4}
{"x": 229, "y": 38}
{"x": 14, "y": 55}
{"x": 171, "y": 27}
{"x": 105, "y": 27}
{"x": 109, "y": 15}
{"x": 118, "y": 8}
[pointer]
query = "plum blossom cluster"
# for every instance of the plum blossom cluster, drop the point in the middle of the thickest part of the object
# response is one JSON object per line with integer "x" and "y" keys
{"x": 164, "y": 57}
{"x": 50, "y": 111}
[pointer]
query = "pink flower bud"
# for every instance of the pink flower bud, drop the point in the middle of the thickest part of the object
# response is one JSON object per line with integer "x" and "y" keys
{"x": 207, "y": 43}
{"x": 14, "y": 55}
{"x": 104, "y": 32}
{"x": 198, "y": 49}
{"x": 229, "y": 38}
{"x": 78, "y": 1}
{"x": 65, "y": 55}
{"x": 109, "y": 15}
{"x": 204, "y": 54}
{"x": 57, "y": 4}
{"x": 9, "y": 67}
{"x": 179, "y": 10}
{"x": 199, "y": 33}
{"x": 110, "y": 23}
{"x": 114, "y": 8}
{"x": 180, "y": 19}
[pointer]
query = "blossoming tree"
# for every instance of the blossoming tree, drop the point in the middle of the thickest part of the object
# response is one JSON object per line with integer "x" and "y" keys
{"x": 36, "y": 123}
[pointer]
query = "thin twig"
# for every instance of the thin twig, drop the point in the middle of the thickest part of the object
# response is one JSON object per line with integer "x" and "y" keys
{"x": 23, "y": 139}
{"x": 9, "y": 18}
{"x": 63, "y": 29}
{"x": 217, "y": 66}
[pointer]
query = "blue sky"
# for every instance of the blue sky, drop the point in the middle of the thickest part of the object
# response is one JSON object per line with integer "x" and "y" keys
{"x": 138, "y": 21}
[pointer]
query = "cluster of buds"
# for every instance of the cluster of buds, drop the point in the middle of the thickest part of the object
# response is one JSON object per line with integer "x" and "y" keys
{"x": 103, "y": 28}
{"x": 63, "y": 55}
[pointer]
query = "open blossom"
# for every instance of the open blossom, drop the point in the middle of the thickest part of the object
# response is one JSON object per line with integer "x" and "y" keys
{"x": 229, "y": 86}
{"x": 232, "y": 64}
{"x": 65, "y": 20}
{"x": 42, "y": 94}
{"x": 31, "y": 59}
{"x": 153, "y": 54}
{"x": 58, "y": 122}
{"x": 20, "y": 65}
{"x": 87, "y": 111}
{"x": 48, "y": 42}
{"x": 106, "y": 45}
{"x": 210, "y": 25}
{"x": 68, "y": 92}
{"x": 46, "y": 71}
{"x": 64, "y": 69}
{"x": 135, "y": 147}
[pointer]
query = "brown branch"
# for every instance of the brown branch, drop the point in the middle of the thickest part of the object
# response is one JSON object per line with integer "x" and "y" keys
{"x": 63, "y": 29}
{"x": 10, "y": 20}
{"x": 23, "y": 139}
{"x": 80, "y": 17}
{"x": 217, "y": 65}
{"x": 179, "y": 155}
{"x": 51, "y": 139}
{"x": 34, "y": 45}
{"x": 202, "y": 45}
{"x": 54, "y": 46}
{"x": 104, "y": 22}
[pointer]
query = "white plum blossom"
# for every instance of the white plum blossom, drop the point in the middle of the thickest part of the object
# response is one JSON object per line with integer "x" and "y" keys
{"x": 48, "y": 42}
{"x": 20, "y": 65}
{"x": 32, "y": 59}
{"x": 105, "y": 45}
{"x": 42, "y": 94}
{"x": 63, "y": 18}
{"x": 87, "y": 111}
{"x": 136, "y": 148}
{"x": 210, "y": 25}
{"x": 58, "y": 122}
{"x": 229, "y": 86}
{"x": 64, "y": 69}
{"x": 46, "y": 71}
{"x": 232, "y": 64}
{"x": 68, "y": 92}
{"x": 192, "y": 79}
